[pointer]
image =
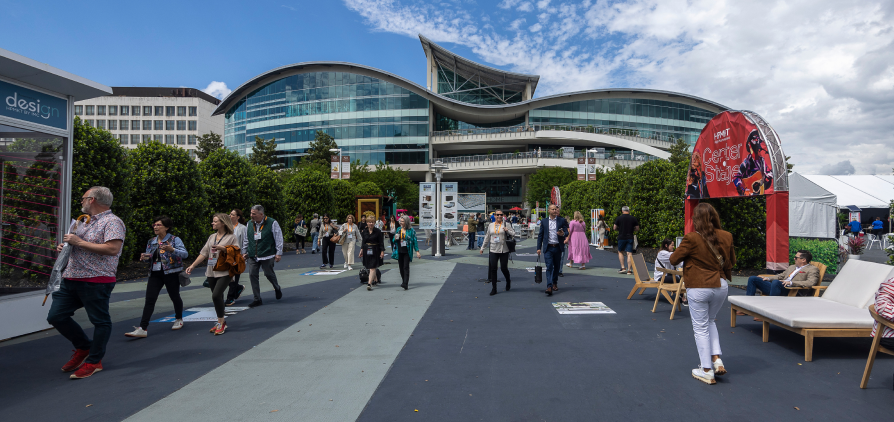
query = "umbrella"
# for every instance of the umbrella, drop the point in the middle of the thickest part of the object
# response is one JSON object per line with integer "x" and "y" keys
{"x": 62, "y": 261}
{"x": 515, "y": 209}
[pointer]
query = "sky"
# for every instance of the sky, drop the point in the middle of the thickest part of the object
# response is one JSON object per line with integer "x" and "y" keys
{"x": 820, "y": 71}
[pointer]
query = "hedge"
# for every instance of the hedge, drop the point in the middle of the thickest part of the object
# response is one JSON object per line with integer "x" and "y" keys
{"x": 309, "y": 192}
{"x": 825, "y": 251}
{"x": 228, "y": 180}
{"x": 343, "y": 199}
{"x": 269, "y": 193}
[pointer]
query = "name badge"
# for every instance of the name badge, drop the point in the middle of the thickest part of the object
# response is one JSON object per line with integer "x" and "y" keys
{"x": 212, "y": 261}
{"x": 496, "y": 239}
{"x": 350, "y": 236}
{"x": 156, "y": 266}
{"x": 369, "y": 251}
{"x": 403, "y": 243}
{"x": 257, "y": 235}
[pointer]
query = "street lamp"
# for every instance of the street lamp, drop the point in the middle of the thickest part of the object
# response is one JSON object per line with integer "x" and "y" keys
{"x": 338, "y": 150}
{"x": 438, "y": 167}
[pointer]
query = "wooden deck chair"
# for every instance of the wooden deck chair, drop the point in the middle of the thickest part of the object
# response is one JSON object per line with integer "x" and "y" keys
{"x": 664, "y": 288}
{"x": 642, "y": 276}
{"x": 876, "y": 344}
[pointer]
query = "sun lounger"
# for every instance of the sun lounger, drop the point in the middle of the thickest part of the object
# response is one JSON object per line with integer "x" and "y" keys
{"x": 840, "y": 312}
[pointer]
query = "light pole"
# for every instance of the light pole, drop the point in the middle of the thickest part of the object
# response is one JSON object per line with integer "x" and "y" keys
{"x": 338, "y": 150}
{"x": 438, "y": 167}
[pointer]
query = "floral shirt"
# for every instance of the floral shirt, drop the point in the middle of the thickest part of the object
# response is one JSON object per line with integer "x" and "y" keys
{"x": 884, "y": 305}
{"x": 88, "y": 266}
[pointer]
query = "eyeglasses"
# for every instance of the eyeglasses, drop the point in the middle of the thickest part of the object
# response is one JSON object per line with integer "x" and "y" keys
{"x": 87, "y": 197}
{"x": 499, "y": 215}
{"x": 158, "y": 225}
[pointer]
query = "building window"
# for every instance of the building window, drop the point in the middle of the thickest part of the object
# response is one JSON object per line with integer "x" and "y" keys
{"x": 181, "y": 124}
{"x": 122, "y": 139}
{"x": 89, "y": 110}
{"x": 181, "y": 139}
{"x": 192, "y": 153}
{"x": 113, "y": 110}
{"x": 100, "y": 124}
{"x": 100, "y": 110}
{"x": 88, "y": 122}
{"x": 169, "y": 125}
{"x": 193, "y": 111}
{"x": 169, "y": 139}
{"x": 79, "y": 110}
{"x": 156, "y": 138}
{"x": 169, "y": 111}
{"x": 159, "y": 125}
{"x": 147, "y": 138}
{"x": 113, "y": 125}
{"x": 147, "y": 110}
{"x": 124, "y": 124}
{"x": 135, "y": 139}
{"x": 192, "y": 125}
{"x": 159, "y": 111}
{"x": 191, "y": 139}
{"x": 135, "y": 124}
{"x": 181, "y": 111}
{"x": 125, "y": 110}
{"x": 147, "y": 124}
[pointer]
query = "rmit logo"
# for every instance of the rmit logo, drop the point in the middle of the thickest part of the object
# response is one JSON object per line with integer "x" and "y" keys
{"x": 31, "y": 106}
{"x": 722, "y": 134}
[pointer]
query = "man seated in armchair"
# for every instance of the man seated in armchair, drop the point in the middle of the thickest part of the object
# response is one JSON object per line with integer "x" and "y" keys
{"x": 799, "y": 274}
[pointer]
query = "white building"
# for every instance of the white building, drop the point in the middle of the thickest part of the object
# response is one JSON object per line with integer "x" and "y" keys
{"x": 175, "y": 116}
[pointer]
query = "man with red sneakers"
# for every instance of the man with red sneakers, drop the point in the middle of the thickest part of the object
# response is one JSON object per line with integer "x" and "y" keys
{"x": 87, "y": 282}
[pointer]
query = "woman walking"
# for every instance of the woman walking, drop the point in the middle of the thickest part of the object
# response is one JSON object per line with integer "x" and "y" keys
{"x": 166, "y": 254}
{"x": 327, "y": 230}
{"x": 577, "y": 242}
{"x": 601, "y": 228}
{"x": 299, "y": 229}
{"x": 392, "y": 230}
{"x": 217, "y": 280}
{"x": 709, "y": 257}
{"x": 350, "y": 235}
{"x": 496, "y": 235}
{"x": 372, "y": 250}
{"x": 405, "y": 238}
{"x": 238, "y": 222}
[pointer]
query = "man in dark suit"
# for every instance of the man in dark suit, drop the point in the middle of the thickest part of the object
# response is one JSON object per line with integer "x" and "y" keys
{"x": 551, "y": 242}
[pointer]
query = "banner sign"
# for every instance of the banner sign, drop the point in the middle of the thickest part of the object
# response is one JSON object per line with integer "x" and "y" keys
{"x": 32, "y": 106}
{"x": 581, "y": 168}
{"x": 471, "y": 202}
{"x": 334, "y": 167}
{"x": 730, "y": 158}
{"x": 567, "y": 152}
{"x": 427, "y": 206}
{"x": 591, "y": 169}
{"x": 345, "y": 166}
{"x": 449, "y": 201}
{"x": 555, "y": 198}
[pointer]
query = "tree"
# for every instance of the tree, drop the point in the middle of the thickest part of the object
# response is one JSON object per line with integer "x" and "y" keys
{"x": 788, "y": 165}
{"x": 395, "y": 183}
{"x": 679, "y": 152}
{"x": 268, "y": 190}
{"x": 264, "y": 152}
{"x": 542, "y": 181}
{"x": 343, "y": 198}
{"x": 308, "y": 192}
{"x": 368, "y": 188}
{"x": 207, "y": 144}
{"x": 228, "y": 179}
{"x": 319, "y": 153}
{"x": 360, "y": 172}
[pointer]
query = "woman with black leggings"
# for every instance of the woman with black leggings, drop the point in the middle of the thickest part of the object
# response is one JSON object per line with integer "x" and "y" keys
{"x": 217, "y": 280}
{"x": 327, "y": 230}
{"x": 166, "y": 254}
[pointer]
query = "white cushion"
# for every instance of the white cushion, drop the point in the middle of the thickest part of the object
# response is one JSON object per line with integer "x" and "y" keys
{"x": 805, "y": 312}
{"x": 857, "y": 282}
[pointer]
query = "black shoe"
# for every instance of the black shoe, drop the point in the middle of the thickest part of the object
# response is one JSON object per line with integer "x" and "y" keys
{"x": 330, "y": 266}
{"x": 313, "y": 252}
{"x": 255, "y": 304}
{"x": 278, "y": 294}
{"x": 494, "y": 290}
{"x": 238, "y": 293}
{"x": 507, "y": 285}
{"x": 323, "y": 266}
{"x": 404, "y": 286}
{"x": 230, "y": 302}
{"x": 561, "y": 275}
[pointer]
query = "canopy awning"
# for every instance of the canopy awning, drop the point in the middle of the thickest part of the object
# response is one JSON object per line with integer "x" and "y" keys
{"x": 862, "y": 191}
{"x": 812, "y": 210}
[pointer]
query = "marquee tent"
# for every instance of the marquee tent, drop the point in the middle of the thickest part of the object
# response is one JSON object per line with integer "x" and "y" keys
{"x": 811, "y": 209}
{"x": 864, "y": 191}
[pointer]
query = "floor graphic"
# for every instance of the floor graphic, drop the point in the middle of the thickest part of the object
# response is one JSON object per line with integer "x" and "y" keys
{"x": 324, "y": 272}
{"x": 202, "y": 314}
{"x": 580, "y": 308}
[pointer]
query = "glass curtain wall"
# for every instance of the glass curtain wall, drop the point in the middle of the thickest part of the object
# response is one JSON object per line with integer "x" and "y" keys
{"x": 454, "y": 85}
{"x": 371, "y": 120}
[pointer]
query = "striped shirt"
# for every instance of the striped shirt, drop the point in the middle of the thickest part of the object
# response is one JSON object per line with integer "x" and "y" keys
{"x": 884, "y": 305}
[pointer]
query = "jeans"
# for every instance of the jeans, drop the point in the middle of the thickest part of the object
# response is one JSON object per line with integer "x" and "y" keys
{"x": 471, "y": 240}
{"x": 94, "y": 298}
{"x": 767, "y": 287}
{"x": 328, "y": 252}
{"x": 564, "y": 258}
{"x": 552, "y": 256}
{"x": 254, "y": 267}
{"x": 218, "y": 285}
{"x": 403, "y": 262}
{"x": 704, "y": 304}
{"x": 492, "y": 261}
{"x": 314, "y": 246}
{"x": 157, "y": 280}
{"x": 480, "y": 238}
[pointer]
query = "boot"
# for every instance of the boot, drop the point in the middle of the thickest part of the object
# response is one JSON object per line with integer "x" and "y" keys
{"x": 493, "y": 289}
{"x": 507, "y": 284}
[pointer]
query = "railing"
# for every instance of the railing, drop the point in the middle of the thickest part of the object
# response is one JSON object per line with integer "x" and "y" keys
{"x": 533, "y": 158}
{"x": 600, "y": 130}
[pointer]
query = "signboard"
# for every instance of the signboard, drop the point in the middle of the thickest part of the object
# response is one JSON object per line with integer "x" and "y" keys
{"x": 471, "y": 202}
{"x": 581, "y": 168}
{"x": 449, "y": 201}
{"x": 730, "y": 158}
{"x": 591, "y": 169}
{"x": 555, "y": 198}
{"x": 345, "y": 166}
{"x": 334, "y": 167}
{"x": 427, "y": 206}
{"x": 567, "y": 152}
{"x": 594, "y": 233}
{"x": 32, "y": 106}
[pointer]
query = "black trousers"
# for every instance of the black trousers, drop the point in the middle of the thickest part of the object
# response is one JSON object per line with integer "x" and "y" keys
{"x": 157, "y": 280}
{"x": 493, "y": 260}
{"x": 299, "y": 241}
{"x": 471, "y": 239}
{"x": 328, "y": 252}
{"x": 234, "y": 288}
{"x": 403, "y": 262}
{"x": 218, "y": 285}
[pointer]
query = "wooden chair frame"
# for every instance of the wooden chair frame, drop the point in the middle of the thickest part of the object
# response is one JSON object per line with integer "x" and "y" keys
{"x": 640, "y": 284}
{"x": 664, "y": 288}
{"x": 876, "y": 344}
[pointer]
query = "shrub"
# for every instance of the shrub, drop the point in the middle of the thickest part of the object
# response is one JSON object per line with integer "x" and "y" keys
{"x": 367, "y": 188}
{"x": 656, "y": 199}
{"x": 268, "y": 191}
{"x": 746, "y": 219}
{"x": 825, "y": 251}
{"x": 166, "y": 181}
{"x": 227, "y": 179}
{"x": 308, "y": 192}
{"x": 612, "y": 192}
{"x": 579, "y": 196}
{"x": 541, "y": 182}
{"x": 343, "y": 198}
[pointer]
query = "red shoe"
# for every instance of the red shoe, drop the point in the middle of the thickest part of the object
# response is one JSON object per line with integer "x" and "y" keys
{"x": 77, "y": 359}
{"x": 87, "y": 370}
{"x": 221, "y": 328}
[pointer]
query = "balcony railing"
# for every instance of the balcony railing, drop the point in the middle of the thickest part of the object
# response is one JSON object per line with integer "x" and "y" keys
{"x": 532, "y": 157}
{"x": 661, "y": 140}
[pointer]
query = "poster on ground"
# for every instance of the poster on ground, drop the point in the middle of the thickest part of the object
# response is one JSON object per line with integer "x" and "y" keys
{"x": 427, "y": 206}
{"x": 582, "y": 308}
{"x": 324, "y": 272}
{"x": 449, "y": 201}
{"x": 202, "y": 314}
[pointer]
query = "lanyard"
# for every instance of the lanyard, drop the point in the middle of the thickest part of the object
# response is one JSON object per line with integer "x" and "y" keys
{"x": 255, "y": 225}
{"x": 497, "y": 227}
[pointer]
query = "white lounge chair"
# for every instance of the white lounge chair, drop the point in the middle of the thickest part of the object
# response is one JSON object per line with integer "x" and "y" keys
{"x": 840, "y": 312}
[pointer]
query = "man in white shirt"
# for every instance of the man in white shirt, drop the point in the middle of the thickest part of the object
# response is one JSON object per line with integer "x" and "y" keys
{"x": 262, "y": 247}
{"x": 800, "y": 274}
{"x": 551, "y": 243}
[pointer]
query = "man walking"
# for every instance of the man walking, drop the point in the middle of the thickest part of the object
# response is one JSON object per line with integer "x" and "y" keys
{"x": 626, "y": 225}
{"x": 551, "y": 241}
{"x": 315, "y": 232}
{"x": 262, "y": 247}
{"x": 473, "y": 224}
{"x": 87, "y": 282}
{"x": 482, "y": 226}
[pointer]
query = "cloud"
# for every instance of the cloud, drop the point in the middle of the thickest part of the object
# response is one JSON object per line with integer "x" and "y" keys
{"x": 290, "y": 8}
{"x": 217, "y": 90}
{"x": 838, "y": 169}
{"x": 525, "y": 7}
{"x": 820, "y": 71}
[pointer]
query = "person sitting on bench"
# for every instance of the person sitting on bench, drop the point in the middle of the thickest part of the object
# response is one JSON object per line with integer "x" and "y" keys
{"x": 800, "y": 274}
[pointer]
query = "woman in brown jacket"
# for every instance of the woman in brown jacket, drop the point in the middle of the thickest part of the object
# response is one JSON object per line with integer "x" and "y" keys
{"x": 709, "y": 257}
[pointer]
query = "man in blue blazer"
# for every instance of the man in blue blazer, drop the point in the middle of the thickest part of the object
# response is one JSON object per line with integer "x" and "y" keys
{"x": 551, "y": 242}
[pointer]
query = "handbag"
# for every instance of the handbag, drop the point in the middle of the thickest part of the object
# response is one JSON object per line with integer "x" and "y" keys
{"x": 538, "y": 271}
{"x": 510, "y": 245}
{"x": 183, "y": 277}
{"x": 301, "y": 231}
{"x": 714, "y": 251}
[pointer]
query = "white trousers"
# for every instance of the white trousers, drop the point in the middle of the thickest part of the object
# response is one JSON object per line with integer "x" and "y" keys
{"x": 704, "y": 304}
{"x": 347, "y": 249}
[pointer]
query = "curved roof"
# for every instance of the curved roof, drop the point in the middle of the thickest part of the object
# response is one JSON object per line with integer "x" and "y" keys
{"x": 471, "y": 113}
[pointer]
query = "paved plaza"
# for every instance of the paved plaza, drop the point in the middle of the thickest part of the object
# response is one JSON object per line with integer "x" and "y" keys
{"x": 442, "y": 351}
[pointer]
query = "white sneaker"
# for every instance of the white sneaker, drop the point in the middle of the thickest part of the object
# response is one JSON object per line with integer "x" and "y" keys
{"x": 718, "y": 367}
{"x": 349, "y": 268}
{"x": 178, "y": 324}
{"x": 345, "y": 265}
{"x": 568, "y": 265}
{"x": 138, "y": 332}
{"x": 705, "y": 377}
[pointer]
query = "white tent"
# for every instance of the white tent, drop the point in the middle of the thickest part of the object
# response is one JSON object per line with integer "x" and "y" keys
{"x": 863, "y": 191}
{"x": 811, "y": 209}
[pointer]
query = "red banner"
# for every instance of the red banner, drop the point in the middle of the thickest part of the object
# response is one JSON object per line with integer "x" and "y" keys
{"x": 730, "y": 158}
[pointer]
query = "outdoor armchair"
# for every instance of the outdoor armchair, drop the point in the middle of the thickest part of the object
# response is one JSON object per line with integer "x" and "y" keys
{"x": 876, "y": 344}
{"x": 641, "y": 276}
{"x": 793, "y": 291}
{"x": 677, "y": 288}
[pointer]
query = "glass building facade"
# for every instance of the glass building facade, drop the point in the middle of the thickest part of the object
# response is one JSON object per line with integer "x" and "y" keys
{"x": 371, "y": 120}
{"x": 459, "y": 88}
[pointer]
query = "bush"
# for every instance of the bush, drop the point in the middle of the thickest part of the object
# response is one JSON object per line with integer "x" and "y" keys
{"x": 227, "y": 179}
{"x": 268, "y": 191}
{"x": 343, "y": 199}
{"x": 579, "y": 196}
{"x": 541, "y": 182}
{"x": 367, "y": 188}
{"x": 612, "y": 192}
{"x": 746, "y": 219}
{"x": 308, "y": 192}
{"x": 166, "y": 181}
{"x": 825, "y": 251}
{"x": 656, "y": 199}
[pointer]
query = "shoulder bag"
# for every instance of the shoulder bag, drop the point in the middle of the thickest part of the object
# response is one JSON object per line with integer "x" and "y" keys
{"x": 183, "y": 277}
{"x": 714, "y": 251}
{"x": 301, "y": 231}
{"x": 538, "y": 271}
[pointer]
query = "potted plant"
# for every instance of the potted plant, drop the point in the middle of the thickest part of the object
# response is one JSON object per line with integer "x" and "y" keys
{"x": 855, "y": 247}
